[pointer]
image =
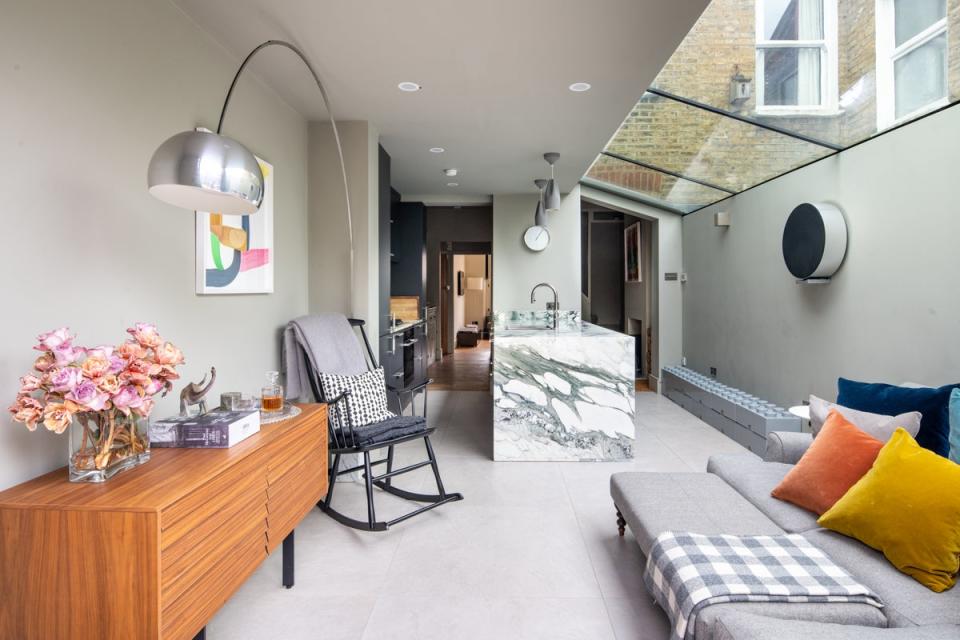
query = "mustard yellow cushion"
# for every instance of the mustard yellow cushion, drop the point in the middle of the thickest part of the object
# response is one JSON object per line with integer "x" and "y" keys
{"x": 908, "y": 507}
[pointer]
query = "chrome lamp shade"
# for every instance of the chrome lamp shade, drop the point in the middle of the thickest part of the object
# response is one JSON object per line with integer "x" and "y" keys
{"x": 205, "y": 171}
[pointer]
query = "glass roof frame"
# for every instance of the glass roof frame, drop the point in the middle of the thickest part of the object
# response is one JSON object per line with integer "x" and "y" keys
{"x": 662, "y": 156}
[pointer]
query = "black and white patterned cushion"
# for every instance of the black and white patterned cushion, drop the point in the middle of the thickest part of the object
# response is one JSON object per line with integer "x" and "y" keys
{"x": 367, "y": 399}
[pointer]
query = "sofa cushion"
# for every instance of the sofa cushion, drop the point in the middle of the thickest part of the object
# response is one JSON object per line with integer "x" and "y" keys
{"x": 879, "y": 426}
{"x": 840, "y": 455}
{"x": 708, "y": 625}
{"x": 754, "y": 480}
{"x": 906, "y": 601}
{"x": 652, "y": 503}
{"x": 749, "y": 626}
{"x": 889, "y": 399}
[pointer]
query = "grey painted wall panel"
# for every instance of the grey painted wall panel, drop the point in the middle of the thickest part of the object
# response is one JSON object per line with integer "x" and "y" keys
{"x": 891, "y": 313}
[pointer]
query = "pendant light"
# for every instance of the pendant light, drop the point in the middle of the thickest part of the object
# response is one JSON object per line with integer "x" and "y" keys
{"x": 540, "y": 216}
{"x": 552, "y": 198}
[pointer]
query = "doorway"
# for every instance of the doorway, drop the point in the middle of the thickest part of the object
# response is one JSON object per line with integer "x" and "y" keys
{"x": 617, "y": 281}
{"x": 466, "y": 298}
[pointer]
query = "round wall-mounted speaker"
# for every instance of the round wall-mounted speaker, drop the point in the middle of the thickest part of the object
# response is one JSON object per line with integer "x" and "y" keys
{"x": 814, "y": 240}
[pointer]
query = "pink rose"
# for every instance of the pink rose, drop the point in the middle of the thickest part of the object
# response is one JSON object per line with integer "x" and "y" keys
{"x": 27, "y": 410}
{"x": 44, "y": 362}
{"x": 95, "y": 366}
{"x": 145, "y": 334}
{"x": 30, "y": 383}
{"x": 117, "y": 364}
{"x": 57, "y": 417}
{"x": 103, "y": 351}
{"x": 65, "y": 379}
{"x": 131, "y": 351}
{"x": 145, "y": 408}
{"x": 167, "y": 372}
{"x": 53, "y": 340}
{"x": 88, "y": 396}
{"x": 126, "y": 399}
{"x": 153, "y": 387}
{"x": 68, "y": 355}
{"x": 168, "y": 354}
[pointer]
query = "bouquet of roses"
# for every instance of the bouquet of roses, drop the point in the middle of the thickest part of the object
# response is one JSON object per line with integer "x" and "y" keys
{"x": 103, "y": 388}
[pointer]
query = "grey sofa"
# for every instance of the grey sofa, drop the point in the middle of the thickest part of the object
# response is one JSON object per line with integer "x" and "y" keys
{"x": 733, "y": 497}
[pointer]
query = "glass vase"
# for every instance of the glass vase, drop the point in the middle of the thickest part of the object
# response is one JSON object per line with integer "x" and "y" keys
{"x": 105, "y": 443}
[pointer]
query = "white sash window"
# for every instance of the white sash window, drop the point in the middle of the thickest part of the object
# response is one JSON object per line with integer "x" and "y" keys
{"x": 796, "y": 56}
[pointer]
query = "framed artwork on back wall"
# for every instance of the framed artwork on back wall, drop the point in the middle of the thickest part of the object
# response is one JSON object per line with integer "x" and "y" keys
{"x": 235, "y": 253}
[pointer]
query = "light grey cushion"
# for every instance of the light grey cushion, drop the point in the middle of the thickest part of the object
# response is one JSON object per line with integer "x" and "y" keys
{"x": 879, "y": 426}
{"x": 748, "y": 626}
{"x": 652, "y": 503}
{"x": 787, "y": 446}
{"x": 754, "y": 479}
{"x": 907, "y": 602}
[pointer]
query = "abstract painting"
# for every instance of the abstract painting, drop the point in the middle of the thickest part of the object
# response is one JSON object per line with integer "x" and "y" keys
{"x": 235, "y": 253}
{"x": 631, "y": 253}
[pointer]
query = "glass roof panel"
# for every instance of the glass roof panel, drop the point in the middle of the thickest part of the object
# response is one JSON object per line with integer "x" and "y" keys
{"x": 705, "y": 146}
{"x": 838, "y": 71}
{"x": 656, "y": 186}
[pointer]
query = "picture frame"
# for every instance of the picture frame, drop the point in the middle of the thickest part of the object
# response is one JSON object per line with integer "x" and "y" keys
{"x": 631, "y": 253}
{"x": 235, "y": 254}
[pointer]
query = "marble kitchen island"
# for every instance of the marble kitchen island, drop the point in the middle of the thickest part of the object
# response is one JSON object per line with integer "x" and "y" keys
{"x": 561, "y": 395}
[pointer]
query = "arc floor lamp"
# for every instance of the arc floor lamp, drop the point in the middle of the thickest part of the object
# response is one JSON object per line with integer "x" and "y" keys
{"x": 206, "y": 171}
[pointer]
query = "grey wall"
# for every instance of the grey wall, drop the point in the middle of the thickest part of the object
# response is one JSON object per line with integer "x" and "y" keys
{"x": 449, "y": 224}
{"x": 90, "y": 90}
{"x": 892, "y": 312}
{"x": 329, "y": 263}
{"x": 516, "y": 269}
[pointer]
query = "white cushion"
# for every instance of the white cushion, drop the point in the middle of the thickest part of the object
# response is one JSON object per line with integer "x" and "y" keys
{"x": 879, "y": 426}
{"x": 367, "y": 401}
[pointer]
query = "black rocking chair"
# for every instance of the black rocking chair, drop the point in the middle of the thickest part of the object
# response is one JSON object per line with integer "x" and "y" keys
{"x": 345, "y": 439}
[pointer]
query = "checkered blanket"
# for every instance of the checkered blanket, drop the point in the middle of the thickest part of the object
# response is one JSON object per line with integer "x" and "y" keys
{"x": 687, "y": 571}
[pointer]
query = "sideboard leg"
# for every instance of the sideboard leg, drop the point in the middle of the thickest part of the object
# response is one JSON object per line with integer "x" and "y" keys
{"x": 201, "y": 635}
{"x": 287, "y": 561}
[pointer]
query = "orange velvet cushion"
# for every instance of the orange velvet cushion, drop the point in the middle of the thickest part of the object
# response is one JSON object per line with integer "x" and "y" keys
{"x": 840, "y": 455}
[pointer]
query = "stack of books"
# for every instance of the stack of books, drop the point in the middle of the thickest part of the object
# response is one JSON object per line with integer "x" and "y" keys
{"x": 214, "y": 430}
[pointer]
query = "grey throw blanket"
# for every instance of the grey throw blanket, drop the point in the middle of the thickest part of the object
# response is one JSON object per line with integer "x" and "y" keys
{"x": 688, "y": 571}
{"x": 331, "y": 344}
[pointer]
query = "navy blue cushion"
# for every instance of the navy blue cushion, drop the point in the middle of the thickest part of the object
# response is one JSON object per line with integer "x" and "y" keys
{"x": 892, "y": 400}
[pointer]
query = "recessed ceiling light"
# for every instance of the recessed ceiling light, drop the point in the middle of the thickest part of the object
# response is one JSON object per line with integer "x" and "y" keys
{"x": 580, "y": 87}
{"x": 453, "y": 184}
{"x": 437, "y": 149}
{"x": 450, "y": 172}
{"x": 409, "y": 86}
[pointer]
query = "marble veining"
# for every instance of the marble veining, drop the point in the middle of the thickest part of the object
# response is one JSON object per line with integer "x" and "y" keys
{"x": 561, "y": 395}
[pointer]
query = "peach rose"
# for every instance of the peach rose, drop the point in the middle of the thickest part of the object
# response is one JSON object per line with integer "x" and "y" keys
{"x": 109, "y": 383}
{"x": 145, "y": 334}
{"x": 168, "y": 354}
{"x": 95, "y": 366}
{"x": 144, "y": 408}
{"x": 57, "y": 417}
{"x": 44, "y": 362}
{"x": 27, "y": 410}
{"x": 29, "y": 383}
{"x": 131, "y": 351}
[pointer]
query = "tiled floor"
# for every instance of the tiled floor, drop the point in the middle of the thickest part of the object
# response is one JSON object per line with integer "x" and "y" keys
{"x": 531, "y": 552}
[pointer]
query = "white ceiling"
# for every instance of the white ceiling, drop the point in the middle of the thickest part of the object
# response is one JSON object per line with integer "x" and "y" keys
{"x": 494, "y": 74}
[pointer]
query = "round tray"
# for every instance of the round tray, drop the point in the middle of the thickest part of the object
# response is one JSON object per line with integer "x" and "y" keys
{"x": 288, "y": 411}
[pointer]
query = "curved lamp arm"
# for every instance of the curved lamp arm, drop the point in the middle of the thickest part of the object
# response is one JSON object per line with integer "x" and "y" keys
{"x": 333, "y": 125}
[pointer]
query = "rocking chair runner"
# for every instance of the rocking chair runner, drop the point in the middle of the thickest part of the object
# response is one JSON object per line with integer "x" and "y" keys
{"x": 346, "y": 439}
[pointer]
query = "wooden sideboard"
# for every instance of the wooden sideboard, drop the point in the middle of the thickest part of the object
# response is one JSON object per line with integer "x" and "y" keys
{"x": 154, "y": 552}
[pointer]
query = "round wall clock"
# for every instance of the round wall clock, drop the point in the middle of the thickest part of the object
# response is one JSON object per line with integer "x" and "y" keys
{"x": 536, "y": 238}
{"x": 814, "y": 240}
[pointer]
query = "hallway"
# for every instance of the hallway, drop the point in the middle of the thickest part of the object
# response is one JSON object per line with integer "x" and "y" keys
{"x": 466, "y": 369}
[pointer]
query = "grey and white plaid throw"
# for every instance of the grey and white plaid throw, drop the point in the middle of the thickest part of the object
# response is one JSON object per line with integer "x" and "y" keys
{"x": 688, "y": 571}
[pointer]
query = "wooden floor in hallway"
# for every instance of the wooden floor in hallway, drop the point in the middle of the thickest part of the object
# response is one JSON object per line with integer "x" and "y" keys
{"x": 466, "y": 369}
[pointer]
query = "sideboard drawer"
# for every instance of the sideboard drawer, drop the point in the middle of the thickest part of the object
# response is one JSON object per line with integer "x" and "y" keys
{"x": 183, "y": 617}
{"x": 293, "y": 495}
